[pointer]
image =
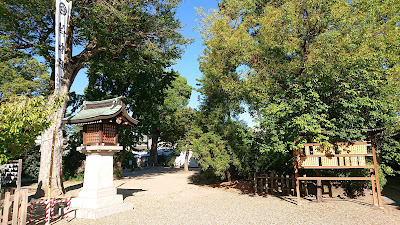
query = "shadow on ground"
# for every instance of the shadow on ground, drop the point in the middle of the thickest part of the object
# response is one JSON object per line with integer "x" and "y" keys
{"x": 128, "y": 192}
{"x": 392, "y": 191}
{"x": 74, "y": 187}
{"x": 149, "y": 172}
{"x": 245, "y": 187}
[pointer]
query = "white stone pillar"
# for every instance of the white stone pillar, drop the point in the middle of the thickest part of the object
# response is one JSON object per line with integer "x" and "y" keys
{"x": 98, "y": 197}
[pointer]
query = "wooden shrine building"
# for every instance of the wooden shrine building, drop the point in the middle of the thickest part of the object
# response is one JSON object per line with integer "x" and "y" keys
{"x": 100, "y": 120}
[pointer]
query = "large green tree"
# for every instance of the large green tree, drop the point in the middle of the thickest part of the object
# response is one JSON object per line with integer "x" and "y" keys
{"x": 24, "y": 107}
{"x": 156, "y": 95}
{"x": 316, "y": 71}
{"x": 108, "y": 27}
{"x": 20, "y": 73}
{"x": 22, "y": 120}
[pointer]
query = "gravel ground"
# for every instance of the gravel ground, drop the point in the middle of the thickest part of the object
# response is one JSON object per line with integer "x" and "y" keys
{"x": 166, "y": 196}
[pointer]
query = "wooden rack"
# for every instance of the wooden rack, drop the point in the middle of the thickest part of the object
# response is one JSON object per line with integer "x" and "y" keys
{"x": 347, "y": 156}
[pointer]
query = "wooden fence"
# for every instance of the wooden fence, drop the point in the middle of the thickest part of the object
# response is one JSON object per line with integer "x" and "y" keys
{"x": 14, "y": 204}
{"x": 275, "y": 183}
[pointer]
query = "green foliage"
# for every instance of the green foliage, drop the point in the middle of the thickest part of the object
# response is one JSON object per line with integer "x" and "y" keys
{"x": 206, "y": 177}
{"x": 220, "y": 144}
{"x": 31, "y": 163}
{"x": 159, "y": 98}
{"x": 19, "y": 72}
{"x": 22, "y": 119}
{"x": 167, "y": 160}
{"x": 311, "y": 71}
{"x": 72, "y": 159}
{"x": 356, "y": 188}
{"x": 388, "y": 150}
{"x": 128, "y": 156}
{"x": 74, "y": 177}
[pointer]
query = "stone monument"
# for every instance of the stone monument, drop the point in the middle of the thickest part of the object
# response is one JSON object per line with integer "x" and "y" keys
{"x": 100, "y": 120}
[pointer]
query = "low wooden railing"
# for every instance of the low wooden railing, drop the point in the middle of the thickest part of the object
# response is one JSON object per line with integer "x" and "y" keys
{"x": 275, "y": 183}
{"x": 14, "y": 204}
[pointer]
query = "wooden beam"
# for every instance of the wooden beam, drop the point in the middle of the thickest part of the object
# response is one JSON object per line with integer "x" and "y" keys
{"x": 334, "y": 178}
{"x": 378, "y": 187}
{"x": 19, "y": 174}
{"x": 337, "y": 167}
{"x": 336, "y": 155}
{"x": 296, "y": 175}
{"x": 101, "y": 133}
{"x": 338, "y": 144}
{"x": 373, "y": 187}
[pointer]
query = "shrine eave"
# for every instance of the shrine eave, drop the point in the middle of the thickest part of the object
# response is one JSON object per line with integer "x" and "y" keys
{"x": 92, "y": 112}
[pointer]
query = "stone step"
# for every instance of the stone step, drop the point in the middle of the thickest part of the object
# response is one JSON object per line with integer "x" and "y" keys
{"x": 102, "y": 212}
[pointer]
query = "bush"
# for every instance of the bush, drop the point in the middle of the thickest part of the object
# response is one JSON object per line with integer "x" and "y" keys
{"x": 128, "y": 156}
{"x": 206, "y": 177}
{"x": 71, "y": 162}
{"x": 166, "y": 160}
{"x": 31, "y": 163}
{"x": 356, "y": 188}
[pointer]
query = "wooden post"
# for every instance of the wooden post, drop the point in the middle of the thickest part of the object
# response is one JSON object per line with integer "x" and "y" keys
{"x": 305, "y": 187}
{"x": 6, "y": 210}
{"x": 24, "y": 205}
{"x": 272, "y": 181}
{"x": 266, "y": 183}
{"x": 378, "y": 187}
{"x": 15, "y": 207}
{"x": 287, "y": 184}
{"x": 293, "y": 184}
{"x": 319, "y": 187}
{"x": 255, "y": 182}
{"x": 101, "y": 133}
{"x": 373, "y": 187}
{"x": 261, "y": 186}
{"x": 296, "y": 176}
{"x": 19, "y": 174}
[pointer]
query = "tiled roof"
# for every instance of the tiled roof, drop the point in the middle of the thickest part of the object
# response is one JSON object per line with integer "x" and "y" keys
{"x": 94, "y": 111}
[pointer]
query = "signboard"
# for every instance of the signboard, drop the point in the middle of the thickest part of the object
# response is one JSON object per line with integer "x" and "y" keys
{"x": 10, "y": 173}
{"x": 63, "y": 12}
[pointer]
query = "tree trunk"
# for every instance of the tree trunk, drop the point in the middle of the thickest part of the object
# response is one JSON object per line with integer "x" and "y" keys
{"x": 117, "y": 167}
{"x": 153, "y": 151}
{"x": 46, "y": 151}
{"x": 186, "y": 166}
{"x": 228, "y": 175}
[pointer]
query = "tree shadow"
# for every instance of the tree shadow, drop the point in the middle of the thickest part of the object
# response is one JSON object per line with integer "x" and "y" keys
{"x": 74, "y": 187}
{"x": 245, "y": 187}
{"x": 392, "y": 191}
{"x": 149, "y": 172}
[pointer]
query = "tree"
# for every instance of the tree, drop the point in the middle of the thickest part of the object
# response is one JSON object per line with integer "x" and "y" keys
{"x": 20, "y": 73}
{"x": 185, "y": 122}
{"x": 156, "y": 95}
{"x": 23, "y": 111}
{"x": 96, "y": 27}
{"x": 314, "y": 71}
{"x": 22, "y": 120}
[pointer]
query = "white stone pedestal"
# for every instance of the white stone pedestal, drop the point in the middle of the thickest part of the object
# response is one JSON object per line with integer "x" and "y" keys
{"x": 98, "y": 197}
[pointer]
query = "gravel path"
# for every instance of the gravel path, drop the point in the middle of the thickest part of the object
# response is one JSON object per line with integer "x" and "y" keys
{"x": 166, "y": 196}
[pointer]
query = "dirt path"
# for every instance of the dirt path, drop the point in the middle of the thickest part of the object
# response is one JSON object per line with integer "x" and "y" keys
{"x": 166, "y": 196}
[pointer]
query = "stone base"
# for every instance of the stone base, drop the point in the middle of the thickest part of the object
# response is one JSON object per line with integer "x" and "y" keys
{"x": 102, "y": 212}
{"x": 96, "y": 203}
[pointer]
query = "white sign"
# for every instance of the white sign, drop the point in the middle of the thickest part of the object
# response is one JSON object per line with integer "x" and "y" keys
{"x": 63, "y": 12}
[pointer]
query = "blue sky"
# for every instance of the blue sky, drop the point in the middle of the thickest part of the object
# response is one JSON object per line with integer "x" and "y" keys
{"x": 188, "y": 65}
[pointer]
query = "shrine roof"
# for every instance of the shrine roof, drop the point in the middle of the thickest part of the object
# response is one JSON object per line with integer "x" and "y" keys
{"x": 95, "y": 111}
